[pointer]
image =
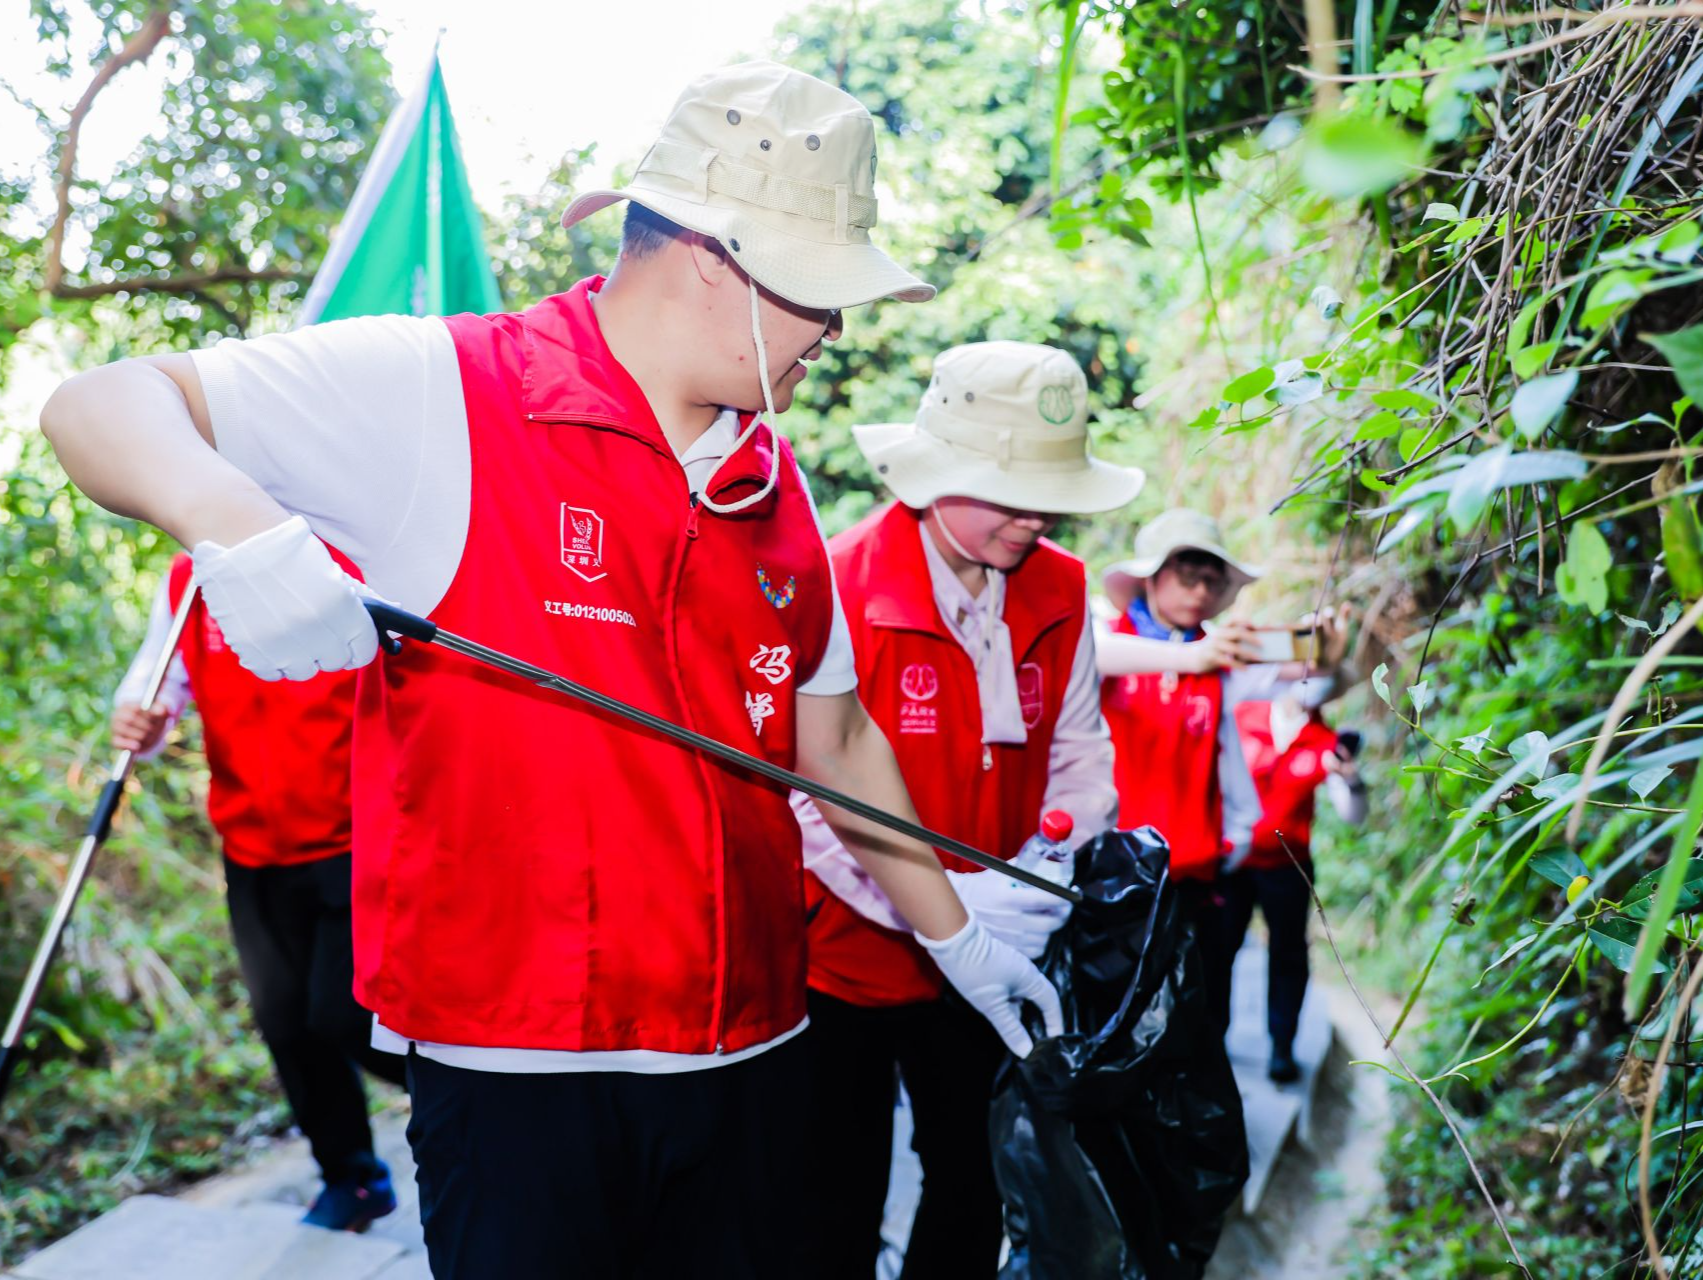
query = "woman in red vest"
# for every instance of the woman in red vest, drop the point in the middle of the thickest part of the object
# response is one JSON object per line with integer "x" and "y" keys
{"x": 278, "y": 795}
{"x": 1291, "y": 751}
{"x": 975, "y": 657}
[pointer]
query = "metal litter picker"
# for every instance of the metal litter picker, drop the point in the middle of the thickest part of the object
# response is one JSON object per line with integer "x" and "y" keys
{"x": 100, "y": 825}
{"x": 389, "y": 619}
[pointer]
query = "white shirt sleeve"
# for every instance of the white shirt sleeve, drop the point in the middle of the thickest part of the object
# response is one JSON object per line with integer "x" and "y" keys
{"x": 1347, "y": 798}
{"x": 833, "y": 864}
{"x": 837, "y": 672}
{"x": 1079, "y": 764}
{"x": 360, "y": 427}
{"x": 1237, "y": 794}
{"x": 174, "y": 694}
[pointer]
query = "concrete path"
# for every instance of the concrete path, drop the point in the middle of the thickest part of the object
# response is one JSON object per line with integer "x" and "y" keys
{"x": 244, "y": 1225}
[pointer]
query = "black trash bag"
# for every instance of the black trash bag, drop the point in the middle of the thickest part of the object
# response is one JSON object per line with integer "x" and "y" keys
{"x": 1119, "y": 1146}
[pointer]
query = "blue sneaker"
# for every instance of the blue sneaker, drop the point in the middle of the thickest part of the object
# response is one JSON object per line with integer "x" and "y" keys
{"x": 353, "y": 1204}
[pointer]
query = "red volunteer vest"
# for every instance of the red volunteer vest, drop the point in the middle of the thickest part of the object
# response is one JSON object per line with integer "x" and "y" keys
{"x": 1287, "y": 784}
{"x": 1165, "y": 738}
{"x": 277, "y": 750}
{"x": 920, "y": 686}
{"x": 531, "y": 873}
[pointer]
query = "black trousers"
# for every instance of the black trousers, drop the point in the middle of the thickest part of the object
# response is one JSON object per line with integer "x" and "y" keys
{"x": 605, "y": 1175}
{"x": 1284, "y": 899}
{"x": 947, "y": 1055}
{"x": 291, "y": 927}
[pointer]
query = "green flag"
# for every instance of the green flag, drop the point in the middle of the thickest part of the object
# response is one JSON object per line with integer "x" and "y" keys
{"x": 411, "y": 242}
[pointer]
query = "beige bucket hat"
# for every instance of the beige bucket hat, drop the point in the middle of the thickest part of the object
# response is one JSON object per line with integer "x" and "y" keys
{"x": 780, "y": 167}
{"x": 1005, "y": 422}
{"x": 1179, "y": 529}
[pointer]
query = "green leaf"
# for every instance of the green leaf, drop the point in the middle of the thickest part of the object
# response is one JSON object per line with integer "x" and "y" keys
{"x": 1613, "y": 292}
{"x": 1662, "y": 903}
{"x": 1421, "y": 696}
{"x": 1560, "y": 785}
{"x": 1683, "y": 350}
{"x": 1617, "y": 939}
{"x": 1680, "y": 242}
{"x": 1376, "y": 483}
{"x": 1637, "y": 901}
{"x": 1410, "y": 442}
{"x": 1559, "y": 866}
{"x": 1438, "y": 212}
{"x": 1537, "y": 403}
{"x": 1249, "y": 385}
{"x": 1500, "y": 468}
{"x": 1400, "y": 398}
{"x": 1532, "y": 751}
{"x": 1298, "y": 390}
{"x": 1380, "y": 684}
{"x": 1327, "y": 300}
{"x": 1380, "y": 426}
{"x": 1531, "y": 359}
{"x": 1647, "y": 780}
{"x": 1476, "y": 742}
{"x": 1348, "y": 155}
{"x": 1582, "y": 578}
{"x": 1207, "y": 417}
{"x": 1682, "y": 548}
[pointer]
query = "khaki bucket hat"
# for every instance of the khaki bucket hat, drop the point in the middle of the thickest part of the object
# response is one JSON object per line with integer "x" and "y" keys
{"x": 780, "y": 168}
{"x": 1179, "y": 529}
{"x": 1004, "y": 422}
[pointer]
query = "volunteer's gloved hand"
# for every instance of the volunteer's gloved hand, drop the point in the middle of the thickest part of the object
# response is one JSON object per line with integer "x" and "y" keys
{"x": 285, "y": 607}
{"x": 996, "y": 980}
{"x": 1019, "y": 915}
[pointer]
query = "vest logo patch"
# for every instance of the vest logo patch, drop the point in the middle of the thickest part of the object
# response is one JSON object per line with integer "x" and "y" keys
{"x": 919, "y": 681}
{"x": 1031, "y": 696}
{"x": 582, "y": 542}
{"x": 772, "y": 663}
{"x": 759, "y": 706}
{"x": 1304, "y": 763}
{"x": 1198, "y": 717}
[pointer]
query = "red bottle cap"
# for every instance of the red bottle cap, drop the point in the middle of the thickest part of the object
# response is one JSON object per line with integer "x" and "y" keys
{"x": 1056, "y": 825}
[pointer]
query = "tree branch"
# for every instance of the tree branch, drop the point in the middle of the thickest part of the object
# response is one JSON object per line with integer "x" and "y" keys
{"x": 137, "y": 48}
{"x": 172, "y": 284}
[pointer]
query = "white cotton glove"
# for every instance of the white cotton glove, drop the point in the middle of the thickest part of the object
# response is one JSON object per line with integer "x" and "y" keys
{"x": 1019, "y": 915}
{"x": 285, "y": 607}
{"x": 996, "y": 980}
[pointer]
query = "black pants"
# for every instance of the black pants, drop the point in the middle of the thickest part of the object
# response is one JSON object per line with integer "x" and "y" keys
{"x": 291, "y": 926}
{"x": 947, "y": 1055}
{"x": 1284, "y": 899}
{"x": 612, "y": 1174}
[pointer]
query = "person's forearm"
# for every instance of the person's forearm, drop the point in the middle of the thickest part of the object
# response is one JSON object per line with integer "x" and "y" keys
{"x": 1123, "y": 655}
{"x": 907, "y": 871}
{"x": 126, "y": 436}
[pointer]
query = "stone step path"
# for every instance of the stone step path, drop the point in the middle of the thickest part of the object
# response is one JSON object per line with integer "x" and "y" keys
{"x": 245, "y": 1225}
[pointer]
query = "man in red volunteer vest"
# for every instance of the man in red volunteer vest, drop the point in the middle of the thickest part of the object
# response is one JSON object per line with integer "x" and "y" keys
{"x": 589, "y": 940}
{"x": 278, "y": 795}
{"x": 1290, "y": 751}
{"x": 975, "y": 657}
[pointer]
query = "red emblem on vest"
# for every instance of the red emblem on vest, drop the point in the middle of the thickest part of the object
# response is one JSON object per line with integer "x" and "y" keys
{"x": 919, "y": 681}
{"x": 582, "y": 542}
{"x": 1030, "y": 695}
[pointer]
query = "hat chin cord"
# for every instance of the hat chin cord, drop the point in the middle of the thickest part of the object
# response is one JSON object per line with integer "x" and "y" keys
{"x": 750, "y": 500}
{"x": 946, "y": 532}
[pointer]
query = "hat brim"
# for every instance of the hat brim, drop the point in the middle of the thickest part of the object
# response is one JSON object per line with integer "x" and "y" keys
{"x": 919, "y": 469}
{"x": 1140, "y": 569}
{"x": 805, "y": 272}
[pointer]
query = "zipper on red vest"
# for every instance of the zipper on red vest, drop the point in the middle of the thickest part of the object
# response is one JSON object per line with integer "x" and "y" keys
{"x": 692, "y": 517}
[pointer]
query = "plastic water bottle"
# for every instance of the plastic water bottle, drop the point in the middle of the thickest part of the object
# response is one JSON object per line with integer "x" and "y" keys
{"x": 1045, "y": 851}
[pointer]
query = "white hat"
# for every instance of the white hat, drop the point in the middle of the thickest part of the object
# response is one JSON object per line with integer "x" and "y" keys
{"x": 1178, "y": 529}
{"x": 780, "y": 168}
{"x": 1004, "y": 422}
